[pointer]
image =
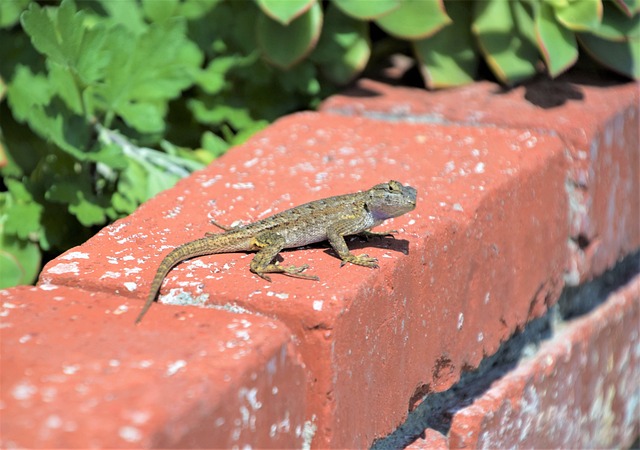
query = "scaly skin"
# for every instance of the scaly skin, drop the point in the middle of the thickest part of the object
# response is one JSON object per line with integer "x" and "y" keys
{"x": 329, "y": 219}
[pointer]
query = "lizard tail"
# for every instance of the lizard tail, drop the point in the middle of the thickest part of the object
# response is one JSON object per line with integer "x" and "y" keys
{"x": 177, "y": 255}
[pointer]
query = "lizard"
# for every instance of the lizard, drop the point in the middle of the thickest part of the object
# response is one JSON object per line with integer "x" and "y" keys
{"x": 329, "y": 219}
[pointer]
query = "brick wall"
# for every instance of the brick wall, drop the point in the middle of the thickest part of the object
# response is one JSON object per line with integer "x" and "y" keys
{"x": 521, "y": 194}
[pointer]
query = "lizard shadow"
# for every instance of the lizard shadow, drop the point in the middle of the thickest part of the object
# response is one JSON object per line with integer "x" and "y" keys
{"x": 356, "y": 243}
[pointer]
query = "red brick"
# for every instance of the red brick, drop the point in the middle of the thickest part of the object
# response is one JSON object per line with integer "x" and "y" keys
{"x": 598, "y": 122}
{"x": 485, "y": 253}
{"x": 77, "y": 374}
{"x": 580, "y": 390}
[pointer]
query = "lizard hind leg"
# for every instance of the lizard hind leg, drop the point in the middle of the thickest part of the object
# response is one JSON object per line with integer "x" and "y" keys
{"x": 269, "y": 245}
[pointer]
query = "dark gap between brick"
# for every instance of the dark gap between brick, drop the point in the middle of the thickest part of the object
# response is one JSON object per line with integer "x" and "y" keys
{"x": 437, "y": 410}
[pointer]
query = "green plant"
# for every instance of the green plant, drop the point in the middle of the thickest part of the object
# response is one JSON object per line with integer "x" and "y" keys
{"x": 105, "y": 103}
{"x": 516, "y": 38}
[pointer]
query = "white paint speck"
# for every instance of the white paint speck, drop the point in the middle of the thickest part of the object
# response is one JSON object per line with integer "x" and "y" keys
{"x": 75, "y": 255}
{"x": 243, "y": 335}
{"x": 480, "y": 337}
{"x": 61, "y": 268}
{"x": 121, "y": 310}
{"x": 53, "y": 421}
{"x": 174, "y": 367}
{"x": 251, "y": 395}
{"x": 140, "y": 417}
{"x": 479, "y": 168}
{"x": 460, "y": 321}
{"x": 70, "y": 369}
{"x": 317, "y": 305}
{"x": 48, "y": 287}
{"x": 458, "y": 207}
{"x": 110, "y": 275}
{"x": 23, "y": 391}
{"x": 242, "y": 186}
{"x": 131, "y": 286}
{"x": 282, "y": 296}
{"x": 130, "y": 434}
{"x": 251, "y": 162}
{"x": 449, "y": 167}
{"x": 24, "y": 339}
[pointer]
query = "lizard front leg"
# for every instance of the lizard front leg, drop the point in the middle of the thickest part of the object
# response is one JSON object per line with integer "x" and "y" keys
{"x": 335, "y": 235}
{"x": 219, "y": 225}
{"x": 269, "y": 245}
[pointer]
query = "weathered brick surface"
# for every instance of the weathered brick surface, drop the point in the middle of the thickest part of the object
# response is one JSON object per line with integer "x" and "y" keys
{"x": 598, "y": 121}
{"x": 503, "y": 186}
{"x": 483, "y": 252}
{"x": 77, "y": 374}
{"x": 581, "y": 390}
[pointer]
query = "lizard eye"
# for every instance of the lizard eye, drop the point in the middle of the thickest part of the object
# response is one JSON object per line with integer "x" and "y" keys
{"x": 394, "y": 186}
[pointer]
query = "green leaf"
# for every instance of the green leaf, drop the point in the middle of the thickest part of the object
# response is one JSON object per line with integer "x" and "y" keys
{"x": 214, "y": 144}
{"x": 196, "y": 9}
{"x": 621, "y": 57}
{"x": 20, "y": 260}
{"x": 58, "y": 124}
{"x": 415, "y": 19}
{"x": 447, "y": 58}
{"x": 144, "y": 117}
{"x": 26, "y": 91}
{"x": 577, "y": 15}
{"x": 212, "y": 112}
{"x": 284, "y": 46}
{"x": 123, "y": 13}
{"x": 344, "y": 47}
{"x": 557, "y": 44}
{"x": 628, "y": 7}
{"x": 214, "y": 78}
{"x": 132, "y": 186}
{"x": 31, "y": 102}
{"x": 505, "y": 32}
{"x": 159, "y": 11}
{"x": 285, "y": 11}
{"x": 617, "y": 26}
{"x": 62, "y": 78}
{"x": 367, "y": 9}
{"x": 10, "y": 11}
{"x": 301, "y": 78}
{"x": 145, "y": 72}
{"x": 109, "y": 155}
{"x": 60, "y": 34}
{"x": 82, "y": 203}
{"x": 20, "y": 213}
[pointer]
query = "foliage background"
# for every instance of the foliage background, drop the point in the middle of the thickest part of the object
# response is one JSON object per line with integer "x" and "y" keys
{"x": 105, "y": 103}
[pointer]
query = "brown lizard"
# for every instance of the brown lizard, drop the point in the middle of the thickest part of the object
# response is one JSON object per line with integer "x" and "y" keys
{"x": 327, "y": 219}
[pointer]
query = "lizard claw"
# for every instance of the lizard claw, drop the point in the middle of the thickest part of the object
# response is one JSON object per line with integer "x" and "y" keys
{"x": 360, "y": 260}
{"x": 296, "y": 272}
{"x": 264, "y": 276}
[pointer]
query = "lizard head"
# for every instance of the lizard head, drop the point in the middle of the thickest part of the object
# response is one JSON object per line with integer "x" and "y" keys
{"x": 392, "y": 199}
